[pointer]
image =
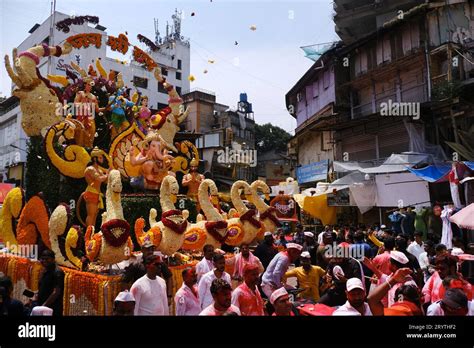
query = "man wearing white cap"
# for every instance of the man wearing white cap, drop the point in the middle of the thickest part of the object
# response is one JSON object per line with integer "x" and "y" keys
{"x": 398, "y": 260}
{"x": 281, "y": 303}
{"x": 309, "y": 245}
{"x": 273, "y": 276}
{"x": 124, "y": 304}
{"x": 355, "y": 304}
{"x": 41, "y": 311}
{"x": 308, "y": 277}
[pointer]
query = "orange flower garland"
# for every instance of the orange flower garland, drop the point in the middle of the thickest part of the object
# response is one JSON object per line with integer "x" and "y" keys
{"x": 92, "y": 287}
{"x": 34, "y": 220}
{"x": 194, "y": 239}
{"x": 4, "y": 260}
{"x": 85, "y": 40}
{"x": 142, "y": 57}
{"x": 235, "y": 234}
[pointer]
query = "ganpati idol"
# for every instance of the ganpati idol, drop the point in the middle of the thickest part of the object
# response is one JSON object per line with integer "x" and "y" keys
{"x": 154, "y": 160}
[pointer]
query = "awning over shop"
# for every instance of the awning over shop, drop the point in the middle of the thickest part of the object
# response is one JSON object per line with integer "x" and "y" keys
{"x": 317, "y": 207}
{"x": 337, "y": 185}
{"x": 470, "y": 165}
{"x": 395, "y": 163}
{"x": 432, "y": 173}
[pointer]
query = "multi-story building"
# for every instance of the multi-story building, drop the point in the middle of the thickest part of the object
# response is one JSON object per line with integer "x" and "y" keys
{"x": 223, "y": 131}
{"x": 312, "y": 101}
{"x": 173, "y": 57}
{"x": 405, "y": 86}
{"x": 355, "y": 19}
{"x": 274, "y": 166}
{"x": 12, "y": 142}
{"x": 405, "y": 60}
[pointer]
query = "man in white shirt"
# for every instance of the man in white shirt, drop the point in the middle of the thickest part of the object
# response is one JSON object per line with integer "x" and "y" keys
{"x": 187, "y": 298}
{"x": 222, "y": 296}
{"x": 355, "y": 304}
{"x": 454, "y": 303}
{"x": 149, "y": 291}
{"x": 206, "y": 264}
{"x": 204, "y": 287}
{"x": 424, "y": 259}
{"x": 320, "y": 235}
{"x": 416, "y": 247}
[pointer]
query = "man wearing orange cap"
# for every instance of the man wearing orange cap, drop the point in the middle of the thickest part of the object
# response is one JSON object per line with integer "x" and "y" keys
{"x": 246, "y": 296}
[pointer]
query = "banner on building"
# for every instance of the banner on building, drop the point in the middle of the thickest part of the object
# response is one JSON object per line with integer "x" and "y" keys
{"x": 339, "y": 199}
{"x": 312, "y": 172}
{"x": 285, "y": 207}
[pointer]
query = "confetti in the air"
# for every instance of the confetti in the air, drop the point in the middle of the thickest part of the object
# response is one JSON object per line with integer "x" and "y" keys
{"x": 236, "y": 43}
{"x": 205, "y": 71}
{"x": 253, "y": 27}
{"x": 192, "y": 14}
{"x": 191, "y": 78}
{"x": 211, "y": 61}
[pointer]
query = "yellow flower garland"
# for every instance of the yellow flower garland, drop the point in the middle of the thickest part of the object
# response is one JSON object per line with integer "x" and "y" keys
{"x": 12, "y": 207}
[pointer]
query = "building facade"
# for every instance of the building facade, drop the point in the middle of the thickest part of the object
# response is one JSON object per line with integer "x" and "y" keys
{"x": 391, "y": 90}
{"x": 227, "y": 141}
{"x": 12, "y": 142}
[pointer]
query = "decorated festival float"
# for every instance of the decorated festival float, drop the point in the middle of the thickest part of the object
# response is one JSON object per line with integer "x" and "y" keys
{"x": 105, "y": 138}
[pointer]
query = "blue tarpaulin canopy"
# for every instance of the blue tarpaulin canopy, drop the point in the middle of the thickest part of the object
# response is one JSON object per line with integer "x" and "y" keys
{"x": 470, "y": 165}
{"x": 432, "y": 173}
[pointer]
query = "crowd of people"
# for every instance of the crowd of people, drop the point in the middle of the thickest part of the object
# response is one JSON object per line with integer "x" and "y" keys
{"x": 339, "y": 271}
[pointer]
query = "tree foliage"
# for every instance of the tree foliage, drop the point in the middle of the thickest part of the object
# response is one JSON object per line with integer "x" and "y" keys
{"x": 269, "y": 137}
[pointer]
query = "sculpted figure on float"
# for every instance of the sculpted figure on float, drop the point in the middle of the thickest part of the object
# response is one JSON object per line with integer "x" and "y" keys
{"x": 167, "y": 234}
{"x": 166, "y": 122}
{"x": 267, "y": 214}
{"x": 112, "y": 244}
{"x": 37, "y": 97}
{"x": 154, "y": 160}
{"x": 192, "y": 181}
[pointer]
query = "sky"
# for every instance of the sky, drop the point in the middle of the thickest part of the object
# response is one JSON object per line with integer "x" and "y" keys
{"x": 265, "y": 64}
